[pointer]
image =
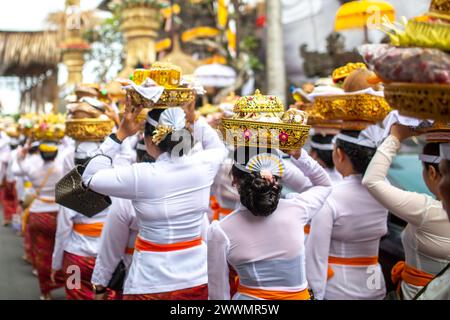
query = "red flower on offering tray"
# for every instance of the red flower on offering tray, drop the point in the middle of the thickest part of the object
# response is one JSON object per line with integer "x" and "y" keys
{"x": 283, "y": 137}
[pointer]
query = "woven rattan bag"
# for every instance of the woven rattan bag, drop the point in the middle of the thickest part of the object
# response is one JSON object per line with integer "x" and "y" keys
{"x": 71, "y": 193}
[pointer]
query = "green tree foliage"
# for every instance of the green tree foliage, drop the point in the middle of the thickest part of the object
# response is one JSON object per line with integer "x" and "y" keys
{"x": 107, "y": 48}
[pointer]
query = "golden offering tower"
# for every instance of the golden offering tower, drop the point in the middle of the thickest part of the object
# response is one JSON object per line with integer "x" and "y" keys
{"x": 139, "y": 24}
{"x": 74, "y": 46}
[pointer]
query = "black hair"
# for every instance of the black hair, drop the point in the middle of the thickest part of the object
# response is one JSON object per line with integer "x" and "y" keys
{"x": 360, "y": 156}
{"x": 431, "y": 149}
{"x": 198, "y": 101}
{"x": 447, "y": 166}
{"x": 257, "y": 194}
{"x": 142, "y": 155}
{"x": 325, "y": 155}
{"x": 34, "y": 150}
{"x": 80, "y": 162}
{"x": 48, "y": 156}
{"x": 173, "y": 139}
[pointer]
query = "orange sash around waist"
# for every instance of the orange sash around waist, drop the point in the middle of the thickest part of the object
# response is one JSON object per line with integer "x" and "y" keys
{"x": 356, "y": 261}
{"x": 307, "y": 229}
{"x": 144, "y": 245}
{"x": 48, "y": 201}
{"x": 411, "y": 275}
{"x": 274, "y": 295}
{"x": 217, "y": 209}
{"x": 89, "y": 230}
{"x": 129, "y": 251}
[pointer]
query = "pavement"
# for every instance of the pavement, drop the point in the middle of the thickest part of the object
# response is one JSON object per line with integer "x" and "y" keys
{"x": 16, "y": 280}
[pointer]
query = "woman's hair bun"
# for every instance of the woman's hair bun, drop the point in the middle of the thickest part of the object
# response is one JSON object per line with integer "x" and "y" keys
{"x": 258, "y": 195}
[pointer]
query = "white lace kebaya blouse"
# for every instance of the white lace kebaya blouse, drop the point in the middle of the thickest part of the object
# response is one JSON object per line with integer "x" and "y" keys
{"x": 170, "y": 198}
{"x": 349, "y": 225}
{"x": 426, "y": 238}
{"x": 267, "y": 252}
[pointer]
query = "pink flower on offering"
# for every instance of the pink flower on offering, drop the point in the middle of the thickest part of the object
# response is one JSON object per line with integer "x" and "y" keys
{"x": 283, "y": 137}
{"x": 247, "y": 134}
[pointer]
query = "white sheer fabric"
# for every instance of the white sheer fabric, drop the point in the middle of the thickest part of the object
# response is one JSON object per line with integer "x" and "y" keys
{"x": 335, "y": 178}
{"x": 266, "y": 252}
{"x": 67, "y": 158}
{"x": 426, "y": 238}
{"x": 67, "y": 239}
{"x": 222, "y": 188}
{"x": 349, "y": 225}
{"x": 438, "y": 288}
{"x": 11, "y": 177}
{"x": 119, "y": 233}
{"x": 4, "y": 154}
{"x": 170, "y": 198}
{"x": 37, "y": 172}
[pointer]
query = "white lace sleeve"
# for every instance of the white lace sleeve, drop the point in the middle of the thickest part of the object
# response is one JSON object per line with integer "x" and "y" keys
{"x": 218, "y": 272}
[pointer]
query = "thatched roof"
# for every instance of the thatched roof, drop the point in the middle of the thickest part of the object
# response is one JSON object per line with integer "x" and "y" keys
{"x": 28, "y": 53}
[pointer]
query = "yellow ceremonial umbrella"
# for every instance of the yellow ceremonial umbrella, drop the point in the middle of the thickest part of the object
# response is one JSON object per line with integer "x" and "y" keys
{"x": 363, "y": 14}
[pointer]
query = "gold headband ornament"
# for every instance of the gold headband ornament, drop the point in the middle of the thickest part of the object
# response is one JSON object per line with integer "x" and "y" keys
{"x": 160, "y": 133}
{"x": 172, "y": 119}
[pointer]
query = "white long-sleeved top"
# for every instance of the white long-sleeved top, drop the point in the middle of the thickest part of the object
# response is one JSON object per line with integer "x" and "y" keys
{"x": 127, "y": 154}
{"x": 119, "y": 233}
{"x": 36, "y": 172}
{"x": 170, "y": 198}
{"x": 222, "y": 188}
{"x": 68, "y": 240}
{"x": 349, "y": 225}
{"x": 335, "y": 176}
{"x": 11, "y": 177}
{"x": 267, "y": 252}
{"x": 438, "y": 288}
{"x": 5, "y": 150}
{"x": 66, "y": 156}
{"x": 426, "y": 238}
{"x": 33, "y": 159}
{"x": 21, "y": 179}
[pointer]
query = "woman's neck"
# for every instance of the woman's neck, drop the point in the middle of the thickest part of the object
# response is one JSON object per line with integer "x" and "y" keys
{"x": 348, "y": 172}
